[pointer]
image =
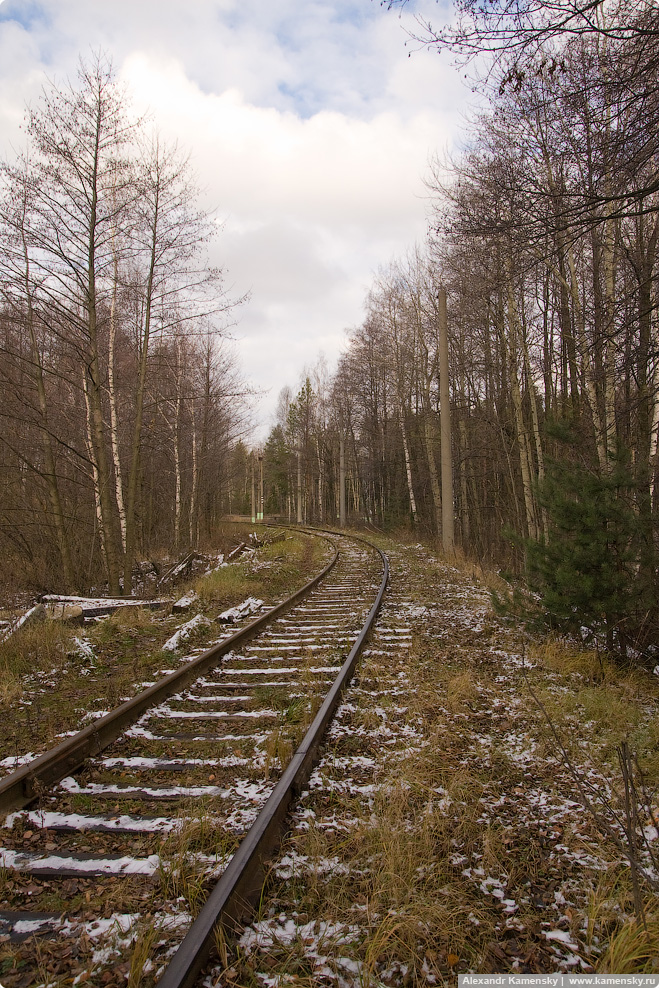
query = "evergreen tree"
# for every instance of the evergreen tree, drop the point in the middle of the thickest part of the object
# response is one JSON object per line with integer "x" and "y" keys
{"x": 277, "y": 466}
{"x": 586, "y": 573}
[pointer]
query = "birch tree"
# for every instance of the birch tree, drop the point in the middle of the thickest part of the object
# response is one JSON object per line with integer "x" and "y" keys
{"x": 80, "y": 190}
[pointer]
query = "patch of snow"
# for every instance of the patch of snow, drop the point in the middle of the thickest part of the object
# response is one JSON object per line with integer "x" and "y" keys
{"x": 562, "y": 936}
{"x": 230, "y": 761}
{"x": 33, "y": 925}
{"x": 14, "y": 761}
{"x": 44, "y": 820}
{"x": 186, "y": 601}
{"x": 165, "y": 711}
{"x": 233, "y": 614}
{"x": 84, "y": 649}
{"x": 300, "y": 864}
{"x": 283, "y": 932}
{"x": 125, "y": 865}
{"x": 185, "y": 631}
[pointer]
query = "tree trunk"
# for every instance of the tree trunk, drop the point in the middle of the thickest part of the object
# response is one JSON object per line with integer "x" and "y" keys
{"x": 90, "y": 453}
{"x": 429, "y": 440}
{"x": 50, "y": 472}
{"x": 342, "y": 482}
{"x": 609, "y": 345}
{"x": 177, "y": 450}
{"x": 94, "y": 387}
{"x": 408, "y": 464}
{"x": 464, "y": 499}
{"x": 114, "y": 418}
{"x": 321, "y": 514}
{"x": 525, "y": 456}
{"x": 195, "y": 481}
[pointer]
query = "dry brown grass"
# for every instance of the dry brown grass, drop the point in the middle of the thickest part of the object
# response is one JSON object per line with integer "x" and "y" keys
{"x": 460, "y": 691}
{"x": 564, "y": 657}
{"x": 282, "y": 567}
{"x": 133, "y": 617}
{"x": 605, "y": 703}
{"x": 11, "y": 688}
{"x": 278, "y": 750}
{"x": 405, "y": 871}
{"x": 144, "y": 945}
{"x": 632, "y": 948}
{"x": 40, "y": 646}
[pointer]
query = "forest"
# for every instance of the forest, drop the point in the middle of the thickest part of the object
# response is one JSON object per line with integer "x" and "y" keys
{"x": 543, "y": 238}
{"x": 463, "y": 797}
{"x": 500, "y": 397}
{"x": 122, "y": 400}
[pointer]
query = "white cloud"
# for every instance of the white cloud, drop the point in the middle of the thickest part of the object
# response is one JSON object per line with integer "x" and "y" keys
{"x": 309, "y": 128}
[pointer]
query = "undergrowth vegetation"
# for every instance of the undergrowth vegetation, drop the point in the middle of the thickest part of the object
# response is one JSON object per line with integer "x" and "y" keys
{"x": 41, "y": 647}
{"x": 275, "y": 570}
{"x": 52, "y": 674}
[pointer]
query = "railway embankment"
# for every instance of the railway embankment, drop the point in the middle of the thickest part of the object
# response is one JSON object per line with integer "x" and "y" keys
{"x": 468, "y": 813}
{"x": 469, "y": 810}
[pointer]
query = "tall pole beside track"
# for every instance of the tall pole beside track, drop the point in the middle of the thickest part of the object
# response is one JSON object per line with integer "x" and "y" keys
{"x": 342, "y": 482}
{"x": 260, "y": 508}
{"x": 251, "y": 457}
{"x": 445, "y": 429}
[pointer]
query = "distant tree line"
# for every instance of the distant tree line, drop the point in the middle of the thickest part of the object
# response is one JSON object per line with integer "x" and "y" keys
{"x": 121, "y": 399}
{"x": 544, "y": 234}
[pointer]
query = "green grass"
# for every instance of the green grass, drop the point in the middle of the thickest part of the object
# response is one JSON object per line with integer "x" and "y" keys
{"x": 279, "y": 569}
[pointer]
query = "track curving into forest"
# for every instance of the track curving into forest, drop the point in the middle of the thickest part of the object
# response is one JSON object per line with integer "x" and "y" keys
{"x": 180, "y": 795}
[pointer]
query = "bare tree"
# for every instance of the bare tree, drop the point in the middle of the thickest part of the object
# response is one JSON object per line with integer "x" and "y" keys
{"x": 78, "y": 138}
{"x": 103, "y": 254}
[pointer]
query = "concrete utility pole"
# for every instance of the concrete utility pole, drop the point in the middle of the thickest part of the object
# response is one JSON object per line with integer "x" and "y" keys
{"x": 259, "y": 513}
{"x": 251, "y": 457}
{"x": 299, "y": 488}
{"x": 445, "y": 429}
{"x": 342, "y": 482}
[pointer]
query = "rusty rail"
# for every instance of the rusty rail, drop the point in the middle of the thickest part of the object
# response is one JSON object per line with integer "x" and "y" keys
{"x": 27, "y": 782}
{"x": 232, "y": 899}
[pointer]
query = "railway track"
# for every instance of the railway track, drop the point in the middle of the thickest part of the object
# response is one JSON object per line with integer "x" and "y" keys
{"x": 170, "y": 806}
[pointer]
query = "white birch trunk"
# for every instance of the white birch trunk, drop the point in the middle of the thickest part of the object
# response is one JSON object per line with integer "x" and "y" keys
{"x": 92, "y": 459}
{"x": 408, "y": 465}
{"x": 591, "y": 390}
{"x": 177, "y": 451}
{"x": 114, "y": 419}
{"x": 195, "y": 482}
{"x": 535, "y": 425}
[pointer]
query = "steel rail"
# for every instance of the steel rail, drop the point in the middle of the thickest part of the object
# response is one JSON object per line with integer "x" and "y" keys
{"x": 232, "y": 899}
{"x": 28, "y": 782}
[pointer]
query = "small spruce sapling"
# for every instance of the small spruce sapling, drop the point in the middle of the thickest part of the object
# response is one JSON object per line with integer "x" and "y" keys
{"x": 585, "y": 573}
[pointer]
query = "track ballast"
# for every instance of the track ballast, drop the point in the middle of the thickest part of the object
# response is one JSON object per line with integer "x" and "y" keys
{"x": 127, "y": 848}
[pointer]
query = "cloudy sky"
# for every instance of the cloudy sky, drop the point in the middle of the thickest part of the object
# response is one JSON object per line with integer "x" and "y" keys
{"x": 310, "y": 131}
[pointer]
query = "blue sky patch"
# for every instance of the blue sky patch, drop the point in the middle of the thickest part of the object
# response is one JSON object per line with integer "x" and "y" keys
{"x": 27, "y": 13}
